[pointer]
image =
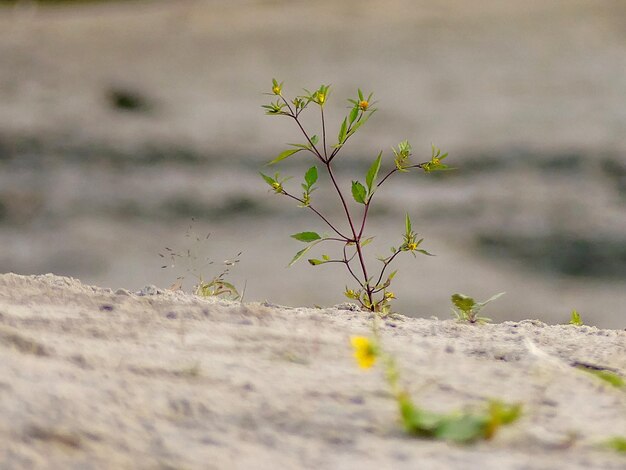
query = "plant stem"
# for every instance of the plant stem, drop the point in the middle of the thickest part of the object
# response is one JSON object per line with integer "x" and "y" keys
{"x": 356, "y": 237}
{"x": 324, "y": 133}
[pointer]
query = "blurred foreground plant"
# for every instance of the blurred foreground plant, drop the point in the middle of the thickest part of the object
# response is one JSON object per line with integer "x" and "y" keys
{"x": 460, "y": 427}
{"x": 373, "y": 291}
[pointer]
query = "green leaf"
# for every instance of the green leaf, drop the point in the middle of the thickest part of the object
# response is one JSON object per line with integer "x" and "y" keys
{"x": 424, "y": 252}
{"x": 407, "y": 225}
{"x": 360, "y": 93}
{"x": 361, "y": 122}
{"x": 353, "y": 114}
{"x": 366, "y": 241}
{"x": 311, "y": 176}
{"x": 314, "y": 140}
{"x": 306, "y": 237}
{"x": 315, "y": 262}
{"x": 300, "y": 146}
{"x": 372, "y": 173}
{"x": 285, "y": 154}
{"x": 491, "y": 299}
{"x": 358, "y": 192}
{"x": 463, "y": 302}
{"x": 342, "y": 132}
{"x": 299, "y": 255}
{"x": 268, "y": 179}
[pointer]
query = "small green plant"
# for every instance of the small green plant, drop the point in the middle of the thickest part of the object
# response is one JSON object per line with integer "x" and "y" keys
{"x": 459, "y": 427}
{"x": 373, "y": 291}
{"x": 196, "y": 263}
{"x": 576, "y": 319}
{"x": 467, "y": 309}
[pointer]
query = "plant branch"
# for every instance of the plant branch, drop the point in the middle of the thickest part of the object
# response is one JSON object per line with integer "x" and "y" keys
{"x": 347, "y": 261}
{"x": 348, "y": 135}
{"x": 343, "y": 237}
{"x": 295, "y": 118}
{"x": 387, "y": 262}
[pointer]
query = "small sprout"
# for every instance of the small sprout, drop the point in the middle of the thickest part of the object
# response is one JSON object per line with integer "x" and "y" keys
{"x": 575, "y": 319}
{"x": 467, "y": 309}
{"x": 365, "y": 351}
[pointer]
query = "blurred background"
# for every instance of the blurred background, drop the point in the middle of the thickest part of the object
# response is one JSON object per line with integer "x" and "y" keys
{"x": 120, "y": 121}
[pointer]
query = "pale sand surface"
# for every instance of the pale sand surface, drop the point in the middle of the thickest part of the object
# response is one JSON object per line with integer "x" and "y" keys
{"x": 95, "y": 378}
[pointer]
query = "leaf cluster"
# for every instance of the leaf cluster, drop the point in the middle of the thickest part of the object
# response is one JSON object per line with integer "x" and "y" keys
{"x": 466, "y": 309}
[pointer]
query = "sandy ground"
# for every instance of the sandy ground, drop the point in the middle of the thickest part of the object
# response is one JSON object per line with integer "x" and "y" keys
{"x": 526, "y": 96}
{"x": 95, "y": 378}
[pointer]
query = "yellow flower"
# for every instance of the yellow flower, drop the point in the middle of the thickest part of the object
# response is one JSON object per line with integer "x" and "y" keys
{"x": 321, "y": 97}
{"x": 276, "y": 186}
{"x": 363, "y": 105}
{"x": 411, "y": 246}
{"x": 364, "y": 351}
{"x": 390, "y": 295}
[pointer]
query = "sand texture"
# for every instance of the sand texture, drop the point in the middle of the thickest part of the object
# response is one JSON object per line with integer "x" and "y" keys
{"x": 95, "y": 378}
{"x": 527, "y": 97}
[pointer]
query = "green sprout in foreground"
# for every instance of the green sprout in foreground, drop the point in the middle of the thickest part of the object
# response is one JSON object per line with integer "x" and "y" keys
{"x": 459, "y": 427}
{"x": 372, "y": 291}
